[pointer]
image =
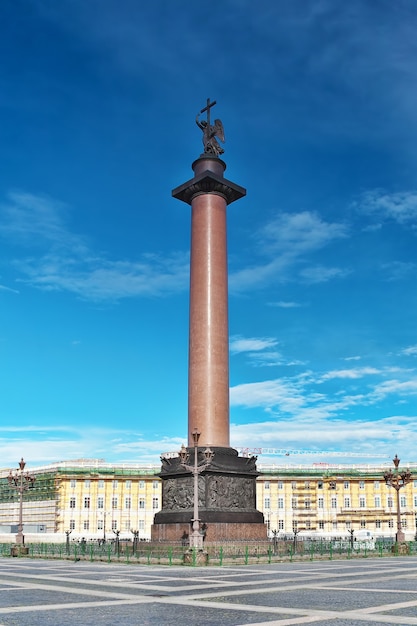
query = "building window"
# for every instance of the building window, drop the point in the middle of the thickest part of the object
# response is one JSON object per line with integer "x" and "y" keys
{"x": 87, "y": 483}
{"x": 320, "y": 503}
{"x": 115, "y": 484}
{"x": 377, "y": 502}
{"x": 363, "y": 523}
{"x": 348, "y": 525}
{"x": 267, "y": 503}
{"x": 307, "y": 484}
{"x": 100, "y": 502}
{"x": 293, "y": 503}
{"x": 403, "y": 501}
{"x": 347, "y": 502}
{"x": 155, "y": 484}
{"x": 377, "y": 484}
{"x": 415, "y": 483}
{"x": 334, "y": 525}
{"x": 390, "y": 523}
{"x": 86, "y": 524}
{"x": 334, "y": 503}
{"x": 72, "y": 524}
{"x": 280, "y": 484}
{"x": 378, "y": 523}
{"x": 73, "y": 483}
{"x": 100, "y": 524}
{"x": 267, "y": 484}
{"x": 128, "y": 502}
{"x": 280, "y": 503}
{"x": 128, "y": 484}
{"x": 155, "y": 503}
{"x": 362, "y": 502}
{"x": 403, "y": 523}
{"x": 389, "y": 502}
{"x": 415, "y": 501}
{"x": 87, "y": 502}
{"x": 320, "y": 484}
{"x": 361, "y": 484}
{"x": 321, "y": 525}
{"x": 141, "y": 503}
{"x": 307, "y": 503}
{"x": 294, "y": 525}
{"x": 141, "y": 524}
{"x": 114, "y": 524}
{"x": 101, "y": 484}
{"x": 72, "y": 503}
{"x": 294, "y": 485}
{"x": 308, "y": 525}
{"x": 280, "y": 524}
{"x": 346, "y": 484}
{"x": 127, "y": 525}
{"x": 141, "y": 484}
{"x": 114, "y": 502}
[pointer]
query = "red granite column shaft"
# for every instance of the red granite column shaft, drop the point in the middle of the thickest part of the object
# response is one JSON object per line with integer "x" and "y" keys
{"x": 208, "y": 376}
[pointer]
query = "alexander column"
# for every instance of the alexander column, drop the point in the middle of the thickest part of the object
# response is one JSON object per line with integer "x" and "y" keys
{"x": 227, "y": 485}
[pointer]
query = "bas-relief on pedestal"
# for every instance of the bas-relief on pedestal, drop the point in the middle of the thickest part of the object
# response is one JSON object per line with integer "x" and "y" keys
{"x": 226, "y": 491}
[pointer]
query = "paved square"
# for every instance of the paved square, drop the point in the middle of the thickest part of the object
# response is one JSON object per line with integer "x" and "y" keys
{"x": 369, "y": 591}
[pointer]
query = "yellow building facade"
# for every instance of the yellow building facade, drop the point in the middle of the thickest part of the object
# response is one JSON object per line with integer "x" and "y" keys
{"x": 96, "y": 500}
{"x": 333, "y": 501}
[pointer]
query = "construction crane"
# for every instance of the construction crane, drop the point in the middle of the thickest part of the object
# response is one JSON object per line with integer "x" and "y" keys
{"x": 287, "y": 452}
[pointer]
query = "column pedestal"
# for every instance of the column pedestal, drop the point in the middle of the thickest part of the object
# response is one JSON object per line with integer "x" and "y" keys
{"x": 226, "y": 500}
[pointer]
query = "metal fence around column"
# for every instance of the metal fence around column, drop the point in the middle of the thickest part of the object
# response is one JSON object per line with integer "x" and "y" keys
{"x": 222, "y": 553}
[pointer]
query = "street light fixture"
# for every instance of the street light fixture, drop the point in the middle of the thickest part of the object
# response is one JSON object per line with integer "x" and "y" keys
{"x": 104, "y": 515}
{"x": 196, "y": 538}
{"x": 397, "y": 480}
{"x": 21, "y": 481}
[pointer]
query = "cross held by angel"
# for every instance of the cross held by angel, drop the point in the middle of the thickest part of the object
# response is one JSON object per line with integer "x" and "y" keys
{"x": 211, "y": 131}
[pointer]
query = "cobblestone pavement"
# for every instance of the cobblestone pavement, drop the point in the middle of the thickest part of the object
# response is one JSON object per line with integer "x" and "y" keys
{"x": 364, "y": 592}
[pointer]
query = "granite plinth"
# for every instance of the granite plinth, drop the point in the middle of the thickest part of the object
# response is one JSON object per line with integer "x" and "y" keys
{"x": 215, "y": 532}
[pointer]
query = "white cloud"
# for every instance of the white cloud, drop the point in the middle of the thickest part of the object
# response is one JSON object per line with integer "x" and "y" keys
{"x": 101, "y": 279}
{"x": 298, "y": 397}
{"x": 4, "y": 288}
{"x": 410, "y": 351}
{"x": 48, "y": 444}
{"x": 285, "y": 304}
{"x": 374, "y": 439}
{"x": 400, "y": 207}
{"x": 241, "y": 344}
{"x": 320, "y": 274}
{"x": 71, "y": 265}
{"x": 288, "y": 240}
{"x": 401, "y": 388}
{"x": 37, "y": 220}
{"x": 398, "y": 270}
{"x": 269, "y": 393}
{"x": 259, "y": 351}
{"x": 298, "y": 233}
{"x": 354, "y": 373}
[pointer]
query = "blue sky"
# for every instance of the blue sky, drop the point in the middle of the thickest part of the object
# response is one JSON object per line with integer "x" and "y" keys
{"x": 98, "y": 102}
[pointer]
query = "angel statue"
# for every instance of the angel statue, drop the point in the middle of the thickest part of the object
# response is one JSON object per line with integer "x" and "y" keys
{"x": 210, "y": 132}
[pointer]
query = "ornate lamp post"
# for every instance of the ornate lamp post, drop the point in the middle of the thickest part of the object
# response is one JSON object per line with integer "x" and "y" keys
{"x": 103, "y": 515}
{"x": 135, "y": 534}
{"x": 398, "y": 480}
{"x": 67, "y": 541}
{"x": 196, "y": 538}
{"x": 21, "y": 481}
